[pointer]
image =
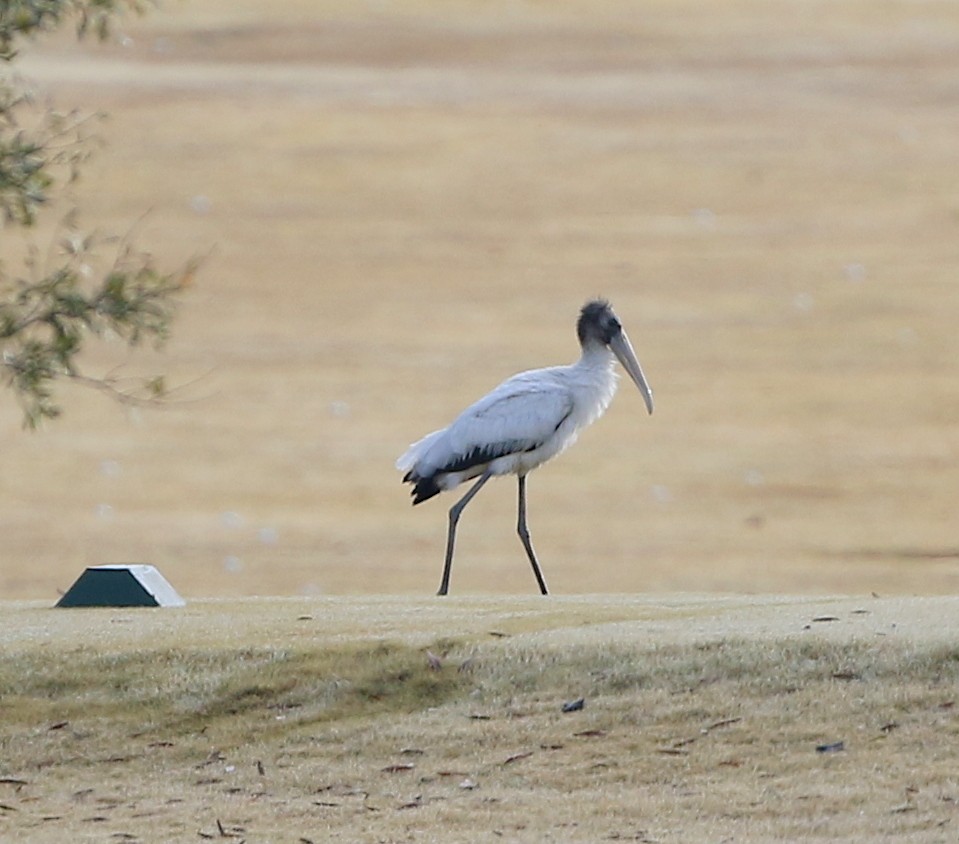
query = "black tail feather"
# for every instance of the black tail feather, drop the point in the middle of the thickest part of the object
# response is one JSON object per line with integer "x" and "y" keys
{"x": 423, "y": 488}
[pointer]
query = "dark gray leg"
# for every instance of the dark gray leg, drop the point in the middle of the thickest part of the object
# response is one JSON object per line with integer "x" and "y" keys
{"x": 523, "y": 532}
{"x": 455, "y": 511}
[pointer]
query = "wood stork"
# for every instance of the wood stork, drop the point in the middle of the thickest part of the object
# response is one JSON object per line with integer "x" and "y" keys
{"x": 525, "y": 421}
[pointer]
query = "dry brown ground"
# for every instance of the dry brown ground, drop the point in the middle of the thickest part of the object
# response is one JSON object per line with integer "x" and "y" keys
{"x": 705, "y": 719}
{"x": 405, "y": 202}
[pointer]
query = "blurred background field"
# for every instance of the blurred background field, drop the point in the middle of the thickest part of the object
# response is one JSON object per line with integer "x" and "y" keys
{"x": 403, "y": 203}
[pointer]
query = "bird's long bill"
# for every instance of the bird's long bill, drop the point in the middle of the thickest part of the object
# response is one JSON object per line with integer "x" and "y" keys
{"x": 623, "y": 350}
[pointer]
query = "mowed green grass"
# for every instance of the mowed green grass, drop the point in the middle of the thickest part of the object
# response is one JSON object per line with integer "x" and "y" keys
{"x": 703, "y": 719}
{"x": 404, "y": 203}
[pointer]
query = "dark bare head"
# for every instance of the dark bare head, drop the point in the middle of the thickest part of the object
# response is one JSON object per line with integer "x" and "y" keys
{"x": 599, "y": 326}
{"x": 597, "y": 323}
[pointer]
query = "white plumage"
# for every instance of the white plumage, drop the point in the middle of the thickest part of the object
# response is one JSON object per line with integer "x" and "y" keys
{"x": 525, "y": 421}
{"x": 521, "y": 424}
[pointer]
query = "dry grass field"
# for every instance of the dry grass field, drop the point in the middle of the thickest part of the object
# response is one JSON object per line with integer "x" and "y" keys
{"x": 403, "y": 203}
{"x": 399, "y": 204}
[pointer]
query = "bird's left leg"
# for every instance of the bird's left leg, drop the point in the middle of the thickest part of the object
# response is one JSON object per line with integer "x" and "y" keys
{"x": 455, "y": 511}
{"x": 523, "y": 532}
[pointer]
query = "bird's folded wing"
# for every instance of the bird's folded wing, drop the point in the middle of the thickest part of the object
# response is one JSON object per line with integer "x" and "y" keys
{"x": 509, "y": 421}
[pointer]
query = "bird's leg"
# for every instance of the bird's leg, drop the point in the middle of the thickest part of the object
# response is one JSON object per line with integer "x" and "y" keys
{"x": 523, "y": 532}
{"x": 455, "y": 511}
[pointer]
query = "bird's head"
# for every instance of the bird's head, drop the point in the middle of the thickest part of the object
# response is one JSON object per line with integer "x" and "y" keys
{"x": 599, "y": 325}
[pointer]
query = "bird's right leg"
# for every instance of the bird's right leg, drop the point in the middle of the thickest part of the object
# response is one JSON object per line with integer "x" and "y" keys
{"x": 523, "y": 531}
{"x": 455, "y": 511}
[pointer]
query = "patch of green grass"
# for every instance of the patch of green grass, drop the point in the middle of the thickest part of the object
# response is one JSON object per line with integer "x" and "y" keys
{"x": 761, "y": 668}
{"x": 193, "y": 688}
